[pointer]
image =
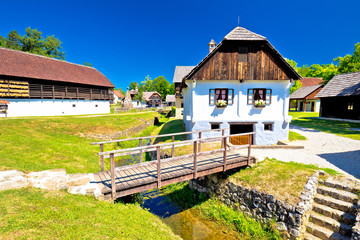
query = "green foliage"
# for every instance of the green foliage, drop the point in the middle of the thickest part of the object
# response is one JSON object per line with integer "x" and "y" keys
{"x": 296, "y": 136}
{"x": 88, "y": 64}
{"x": 350, "y": 63}
{"x": 296, "y": 86}
{"x": 29, "y": 213}
{"x": 34, "y": 42}
{"x": 133, "y": 85}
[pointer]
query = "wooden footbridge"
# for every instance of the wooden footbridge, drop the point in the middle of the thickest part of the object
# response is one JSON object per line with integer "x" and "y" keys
{"x": 125, "y": 180}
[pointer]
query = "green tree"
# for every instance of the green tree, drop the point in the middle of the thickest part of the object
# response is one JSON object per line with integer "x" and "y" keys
{"x": 350, "y": 63}
{"x": 2, "y": 41}
{"x": 52, "y": 47}
{"x": 88, "y": 64}
{"x": 162, "y": 86}
{"x": 296, "y": 86}
{"x": 133, "y": 85}
{"x": 13, "y": 40}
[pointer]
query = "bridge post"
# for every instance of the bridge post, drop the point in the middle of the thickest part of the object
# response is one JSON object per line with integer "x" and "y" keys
{"x": 249, "y": 149}
{"x": 222, "y": 134}
{"x": 224, "y": 143}
{"x": 102, "y": 157}
{"x": 158, "y": 166}
{"x": 173, "y": 146}
{"x": 195, "y": 159}
{"x": 112, "y": 170}
{"x": 199, "y": 150}
{"x": 141, "y": 151}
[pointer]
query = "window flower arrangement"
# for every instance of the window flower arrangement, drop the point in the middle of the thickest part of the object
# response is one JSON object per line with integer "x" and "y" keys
{"x": 259, "y": 103}
{"x": 3, "y": 111}
{"x": 221, "y": 103}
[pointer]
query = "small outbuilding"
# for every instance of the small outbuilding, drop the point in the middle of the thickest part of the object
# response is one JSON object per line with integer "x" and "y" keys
{"x": 305, "y": 98}
{"x": 340, "y": 98}
{"x": 170, "y": 100}
{"x": 152, "y": 99}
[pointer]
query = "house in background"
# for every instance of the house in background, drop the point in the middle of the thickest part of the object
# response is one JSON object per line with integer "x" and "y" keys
{"x": 243, "y": 85}
{"x": 152, "y": 99}
{"x": 40, "y": 86}
{"x": 118, "y": 96}
{"x": 304, "y": 99}
{"x": 180, "y": 72}
{"x": 170, "y": 100}
{"x": 340, "y": 98}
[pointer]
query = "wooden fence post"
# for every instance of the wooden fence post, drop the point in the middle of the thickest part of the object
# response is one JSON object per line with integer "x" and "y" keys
{"x": 199, "y": 150}
{"x": 173, "y": 146}
{"x": 102, "y": 157}
{"x": 112, "y": 170}
{"x": 158, "y": 166}
{"x": 224, "y": 143}
{"x": 141, "y": 151}
{"x": 195, "y": 159}
{"x": 249, "y": 149}
{"x": 222, "y": 134}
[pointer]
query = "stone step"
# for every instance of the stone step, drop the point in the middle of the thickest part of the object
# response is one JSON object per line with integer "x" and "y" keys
{"x": 338, "y": 194}
{"x": 324, "y": 233}
{"x": 309, "y": 236}
{"x": 335, "y": 203}
{"x": 352, "y": 186}
{"x": 331, "y": 224}
{"x": 334, "y": 214}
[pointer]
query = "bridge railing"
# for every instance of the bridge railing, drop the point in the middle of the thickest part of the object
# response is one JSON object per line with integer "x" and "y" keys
{"x": 157, "y": 147}
{"x": 141, "y": 142}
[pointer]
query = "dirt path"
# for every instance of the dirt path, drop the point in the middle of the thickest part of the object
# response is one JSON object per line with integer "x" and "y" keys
{"x": 322, "y": 149}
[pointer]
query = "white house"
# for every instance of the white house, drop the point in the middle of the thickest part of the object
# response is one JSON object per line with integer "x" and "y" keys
{"x": 251, "y": 76}
{"x": 34, "y": 85}
{"x": 117, "y": 97}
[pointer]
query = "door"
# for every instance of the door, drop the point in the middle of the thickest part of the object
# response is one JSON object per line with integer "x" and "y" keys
{"x": 313, "y": 106}
{"x": 240, "y": 128}
{"x": 301, "y": 107}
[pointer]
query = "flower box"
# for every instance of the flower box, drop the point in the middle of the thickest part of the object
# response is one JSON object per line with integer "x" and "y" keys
{"x": 221, "y": 104}
{"x": 259, "y": 104}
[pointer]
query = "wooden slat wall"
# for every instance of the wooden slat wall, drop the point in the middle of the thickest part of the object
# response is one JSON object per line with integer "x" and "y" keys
{"x": 262, "y": 64}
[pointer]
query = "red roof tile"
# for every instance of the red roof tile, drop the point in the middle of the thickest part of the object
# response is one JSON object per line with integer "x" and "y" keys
{"x": 306, "y": 81}
{"x": 118, "y": 94}
{"x": 22, "y": 64}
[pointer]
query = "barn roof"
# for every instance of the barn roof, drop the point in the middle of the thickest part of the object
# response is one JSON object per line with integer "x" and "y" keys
{"x": 27, "y": 65}
{"x": 242, "y": 34}
{"x": 181, "y": 72}
{"x": 303, "y": 92}
{"x": 307, "y": 81}
{"x": 170, "y": 98}
{"x": 347, "y": 84}
{"x": 147, "y": 95}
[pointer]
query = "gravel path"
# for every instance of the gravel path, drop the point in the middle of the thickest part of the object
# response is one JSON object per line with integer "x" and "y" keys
{"x": 322, "y": 149}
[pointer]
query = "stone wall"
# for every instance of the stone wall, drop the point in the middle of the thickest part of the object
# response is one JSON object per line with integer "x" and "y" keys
{"x": 356, "y": 228}
{"x": 57, "y": 179}
{"x": 290, "y": 219}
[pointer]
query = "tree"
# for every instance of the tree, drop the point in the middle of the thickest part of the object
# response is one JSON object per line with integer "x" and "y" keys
{"x": 162, "y": 86}
{"x": 133, "y": 85}
{"x": 13, "y": 40}
{"x": 52, "y": 47}
{"x": 350, "y": 63}
{"x": 296, "y": 86}
{"x": 2, "y": 41}
{"x": 88, "y": 64}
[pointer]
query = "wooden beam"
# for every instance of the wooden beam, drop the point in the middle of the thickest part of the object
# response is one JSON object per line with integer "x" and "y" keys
{"x": 249, "y": 148}
{"x": 224, "y": 143}
{"x": 195, "y": 160}
{"x": 158, "y": 167}
{"x": 141, "y": 151}
{"x": 173, "y": 146}
{"x": 112, "y": 170}
{"x": 199, "y": 142}
{"x": 102, "y": 157}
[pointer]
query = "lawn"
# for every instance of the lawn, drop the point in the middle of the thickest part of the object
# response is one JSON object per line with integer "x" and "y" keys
{"x": 293, "y": 136}
{"x": 285, "y": 180}
{"x": 29, "y": 213}
{"x": 41, "y": 143}
{"x": 340, "y": 128}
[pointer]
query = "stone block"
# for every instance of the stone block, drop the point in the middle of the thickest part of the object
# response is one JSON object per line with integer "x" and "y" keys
{"x": 12, "y": 179}
{"x": 78, "y": 179}
{"x": 50, "y": 179}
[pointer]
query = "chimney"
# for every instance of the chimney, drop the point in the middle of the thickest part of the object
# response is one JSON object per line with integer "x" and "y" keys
{"x": 212, "y": 45}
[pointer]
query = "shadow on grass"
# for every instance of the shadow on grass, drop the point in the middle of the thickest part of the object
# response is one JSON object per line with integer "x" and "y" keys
{"x": 173, "y": 126}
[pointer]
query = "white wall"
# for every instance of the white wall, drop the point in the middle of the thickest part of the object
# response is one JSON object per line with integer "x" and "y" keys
{"x": 54, "y": 107}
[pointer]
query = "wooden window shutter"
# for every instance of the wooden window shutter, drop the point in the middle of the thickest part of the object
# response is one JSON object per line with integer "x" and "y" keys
{"x": 230, "y": 96}
{"x": 212, "y": 96}
{"x": 250, "y": 96}
{"x": 268, "y": 96}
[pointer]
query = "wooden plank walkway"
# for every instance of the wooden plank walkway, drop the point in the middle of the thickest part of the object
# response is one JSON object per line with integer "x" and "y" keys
{"x": 143, "y": 176}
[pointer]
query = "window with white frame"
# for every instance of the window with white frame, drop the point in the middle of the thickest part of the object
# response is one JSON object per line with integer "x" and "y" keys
{"x": 259, "y": 94}
{"x": 224, "y": 94}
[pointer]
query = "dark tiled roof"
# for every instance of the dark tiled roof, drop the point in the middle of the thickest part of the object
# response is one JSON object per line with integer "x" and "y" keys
{"x": 304, "y": 91}
{"x": 180, "y": 72}
{"x": 347, "y": 84}
{"x": 27, "y": 65}
{"x": 240, "y": 33}
{"x": 307, "y": 81}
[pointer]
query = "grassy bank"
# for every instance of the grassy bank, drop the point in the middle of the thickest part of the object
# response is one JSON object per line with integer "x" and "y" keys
{"x": 285, "y": 180}
{"x": 37, "y": 214}
{"x": 339, "y": 128}
{"x": 293, "y": 136}
{"x": 226, "y": 218}
{"x": 41, "y": 143}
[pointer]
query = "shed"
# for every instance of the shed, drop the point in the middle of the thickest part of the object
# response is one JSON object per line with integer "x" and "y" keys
{"x": 306, "y": 100}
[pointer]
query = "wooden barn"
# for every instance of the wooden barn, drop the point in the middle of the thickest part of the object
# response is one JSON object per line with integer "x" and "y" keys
{"x": 340, "y": 98}
{"x": 40, "y": 86}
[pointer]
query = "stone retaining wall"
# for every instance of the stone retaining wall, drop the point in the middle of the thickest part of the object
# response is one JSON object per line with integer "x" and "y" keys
{"x": 356, "y": 228}
{"x": 263, "y": 207}
{"x": 57, "y": 179}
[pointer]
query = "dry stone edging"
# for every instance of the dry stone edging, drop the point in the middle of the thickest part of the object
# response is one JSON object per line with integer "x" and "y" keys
{"x": 55, "y": 179}
{"x": 263, "y": 207}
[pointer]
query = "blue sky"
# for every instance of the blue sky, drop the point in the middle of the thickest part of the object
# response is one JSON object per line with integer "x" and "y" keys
{"x": 128, "y": 40}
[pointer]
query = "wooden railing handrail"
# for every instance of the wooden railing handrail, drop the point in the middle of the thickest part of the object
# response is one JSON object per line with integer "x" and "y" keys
{"x": 188, "y": 142}
{"x": 161, "y": 135}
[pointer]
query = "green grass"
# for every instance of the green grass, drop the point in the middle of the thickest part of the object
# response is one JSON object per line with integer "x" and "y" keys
{"x": 226, "y": 218}
{"x": 293, "y": 136}
{"x": 37, "y": 214}
{"x": 41, "y": 143}
{"x": 338, "y": 128}
{"x": 285, "y": 180}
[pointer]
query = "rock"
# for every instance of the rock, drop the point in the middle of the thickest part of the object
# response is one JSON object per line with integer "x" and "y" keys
{"x": 270, "y": 198}
{"x": 51, "y": 179}
{"x": 294, "y": 232}
{"x": 12, "y": 179}
{"x": 78, "y": 179}
{"x": 281, "y": 226}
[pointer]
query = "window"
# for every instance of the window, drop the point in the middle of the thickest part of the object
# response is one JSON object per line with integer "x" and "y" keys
{"x": 350, "y": 106}
{"x": 74, "y": 105}
{"x": 215, "y": 125}
{"x": 182, "y": 105}
{"x": 96, "y": 105}
{"x": 221, "y": 94}
{"x": 268, "y": 126}
{"x": 257, "y": 94}
{"x": 243, "y": 54}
